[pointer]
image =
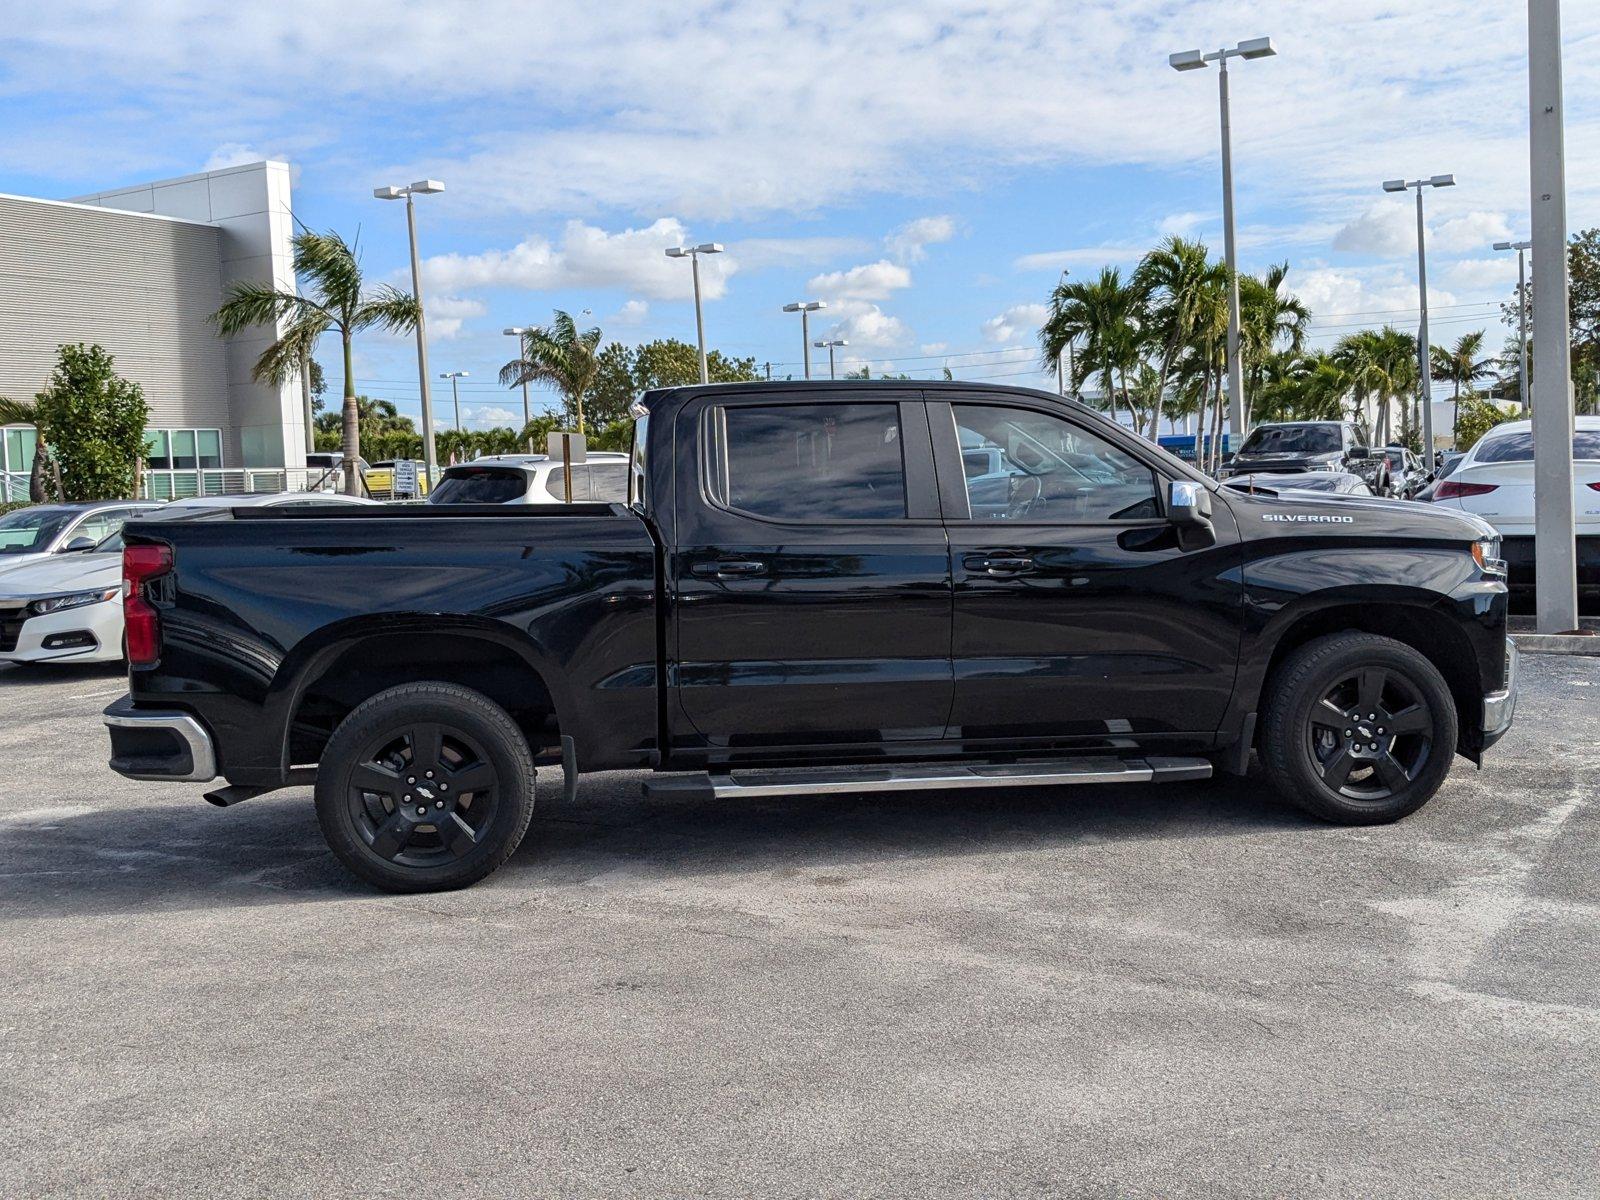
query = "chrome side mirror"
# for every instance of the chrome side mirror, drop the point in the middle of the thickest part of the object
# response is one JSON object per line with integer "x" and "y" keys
{"x": 1188, "y": 504}
{"x": 1189, "y": 510}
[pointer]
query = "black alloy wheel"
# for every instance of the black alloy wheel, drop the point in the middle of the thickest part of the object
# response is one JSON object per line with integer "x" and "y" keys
{"x": 425, "y": 787}
{"x": 1357, "y": 728}
{"x": 1371, "y": 734}
{"x": 422, "y": 794}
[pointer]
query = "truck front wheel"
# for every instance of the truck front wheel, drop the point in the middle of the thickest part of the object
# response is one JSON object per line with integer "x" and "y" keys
{"x": 425, "y": 787}
{"x": 1359, "y": 729}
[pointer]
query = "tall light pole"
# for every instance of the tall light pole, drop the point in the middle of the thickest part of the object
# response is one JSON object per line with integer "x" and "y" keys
{"x": 693, "y": 253}
{"x": 805, "y": 308}
{"x": 519, "y": 332}
{"x": 830, "y": 343}
{"x": 1555, "y": 562}
{"x": 1424, "y": 349}
{"x": 1522, "y": 249}
{"x": 1192, "y": 60}
{"x": 423, "y": 187}
{"x": 455, "y": 394}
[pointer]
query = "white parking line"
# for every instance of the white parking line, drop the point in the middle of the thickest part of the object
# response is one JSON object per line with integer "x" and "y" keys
{"x": 94, "y": 695}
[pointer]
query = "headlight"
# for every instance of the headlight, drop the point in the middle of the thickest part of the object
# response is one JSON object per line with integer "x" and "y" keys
{"x": 56, "y": 603}
{"x": 1486, "y": 553}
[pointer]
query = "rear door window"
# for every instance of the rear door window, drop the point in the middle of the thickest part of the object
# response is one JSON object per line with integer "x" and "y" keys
{"x": 479, "y": 485}
{"x": 801, "y": 462}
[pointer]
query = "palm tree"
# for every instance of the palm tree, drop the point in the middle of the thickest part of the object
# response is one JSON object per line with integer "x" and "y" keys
{"x": 1301, "y": 387}
{"x": 559, "y": 354}
{"x": 1381, "y": 364}
{"x": 22, "y": 412}
{"x": 1173, "y": 280}
{"x": 1104, "y": 315}
{"x": 1270, "y": 319}
{"x": 1461, "y": 365}
{"x": 336, "y": 303}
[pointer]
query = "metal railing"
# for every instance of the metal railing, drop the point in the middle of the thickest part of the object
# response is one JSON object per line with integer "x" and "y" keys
{"x": 233, "y": 481}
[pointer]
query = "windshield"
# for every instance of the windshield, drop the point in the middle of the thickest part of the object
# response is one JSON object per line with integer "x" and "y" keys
{"x": 479, "y": 486}
{"x": 1518, "y": 447}
{"x": 31, "y": 530}
{"x": 1293, "y": 439}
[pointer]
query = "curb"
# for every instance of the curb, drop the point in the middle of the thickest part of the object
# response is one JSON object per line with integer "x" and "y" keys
{"x": 1557, "y": 643}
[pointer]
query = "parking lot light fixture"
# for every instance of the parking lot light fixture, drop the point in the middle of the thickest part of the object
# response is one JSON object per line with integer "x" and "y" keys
{"x": 693, "y": 253}
{"x": 805, "y": 308}
{"x": 455, "y": 393}
{"x": 422, "y": 187}
{"x": 831, "y": 344}
{"x": 1193, "y": 60}
{"x": 1522, "y": 249}
{"x": 519, "y": 332}
{"x": 1424, "y": 361}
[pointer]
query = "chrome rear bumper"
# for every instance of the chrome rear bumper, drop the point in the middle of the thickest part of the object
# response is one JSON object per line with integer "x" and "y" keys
{"x": 159, "y": 744}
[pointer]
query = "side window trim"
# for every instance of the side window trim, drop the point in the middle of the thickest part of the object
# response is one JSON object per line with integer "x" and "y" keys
{"x": 916, "y": 450}
{"x": 953, "y": 483}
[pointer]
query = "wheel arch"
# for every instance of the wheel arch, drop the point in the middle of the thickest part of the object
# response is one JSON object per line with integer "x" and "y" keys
{"x": 1416, "y": 621}
{"x": 355, "y": 660}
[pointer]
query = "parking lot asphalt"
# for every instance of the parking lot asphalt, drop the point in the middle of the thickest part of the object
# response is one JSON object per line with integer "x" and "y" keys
{"x": 1181, "y": 990}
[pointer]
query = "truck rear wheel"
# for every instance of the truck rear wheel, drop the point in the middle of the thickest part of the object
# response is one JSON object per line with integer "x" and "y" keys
{"x": 1359, "y": 729}
{"x": 425, "y": 787}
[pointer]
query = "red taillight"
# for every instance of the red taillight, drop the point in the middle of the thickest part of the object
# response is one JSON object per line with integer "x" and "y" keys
{"x": 1594, "y": 487}
{"x": 1449, "y": 488}
{"x": 141, "y": 621}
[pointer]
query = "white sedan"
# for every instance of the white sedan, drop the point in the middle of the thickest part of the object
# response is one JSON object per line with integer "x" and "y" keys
{"x": 68, "y": 607}
{"x": 1494, "y": 480}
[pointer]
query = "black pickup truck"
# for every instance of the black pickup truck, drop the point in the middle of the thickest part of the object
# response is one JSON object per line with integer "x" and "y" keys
{"x": 814, "y": 588}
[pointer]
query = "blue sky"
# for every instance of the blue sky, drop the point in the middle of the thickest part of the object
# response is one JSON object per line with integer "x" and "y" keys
{"x": 928, "y": 169}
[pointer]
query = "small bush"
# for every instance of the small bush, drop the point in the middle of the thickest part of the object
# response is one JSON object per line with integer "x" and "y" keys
{"x": 93, "y": 421}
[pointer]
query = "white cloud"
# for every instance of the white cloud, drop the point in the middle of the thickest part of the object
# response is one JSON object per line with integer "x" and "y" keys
{"x": 718, "y": 110}
{"x": 633, "y": 312}
{"x": 756, "y": 253}
{"x": 1182, "y": 224}
{"x": 1018, "y": 323}
{"x": 1383, "y": 230}
{"x": 487, "y": 415}
{"x": 446, "y": 314}
{"x": 870, "y": 281}
{"x": 232, "y": 154}
{"x": 1496, "y": 273}
{"x": 1469, "y": 232}
{"x": 867, "y": 327}
{"x": 587, "y": 257}
{"x": 910, "y": 242}
{"x": 1085, "y": 256}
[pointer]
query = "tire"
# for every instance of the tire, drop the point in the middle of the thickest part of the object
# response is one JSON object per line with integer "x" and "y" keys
{"x": 1321, "y": 741}
{"x": 424, "y": 788}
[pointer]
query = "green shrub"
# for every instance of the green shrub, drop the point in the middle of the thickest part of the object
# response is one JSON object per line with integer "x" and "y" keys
{"x": 1476, "y": 418}
{"x": 93, "y": 421}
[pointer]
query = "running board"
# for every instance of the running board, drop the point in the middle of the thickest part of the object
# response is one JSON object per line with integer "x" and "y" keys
{"x": 819, "y": 781}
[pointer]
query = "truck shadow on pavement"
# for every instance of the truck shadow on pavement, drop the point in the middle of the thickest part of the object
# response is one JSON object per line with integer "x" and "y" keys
{"x": 73, "y": 859}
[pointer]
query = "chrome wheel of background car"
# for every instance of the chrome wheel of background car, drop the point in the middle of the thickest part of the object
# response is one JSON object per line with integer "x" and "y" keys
{"x": 1371, "y": 734}
{"x": 422, "y": 795}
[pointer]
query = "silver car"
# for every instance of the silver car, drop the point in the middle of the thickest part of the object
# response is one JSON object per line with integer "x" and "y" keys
{"x": 29, "y": 535}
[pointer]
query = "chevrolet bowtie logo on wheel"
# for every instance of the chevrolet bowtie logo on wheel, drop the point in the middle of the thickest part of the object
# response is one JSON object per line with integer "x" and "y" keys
{"x": 1309, "y": 518}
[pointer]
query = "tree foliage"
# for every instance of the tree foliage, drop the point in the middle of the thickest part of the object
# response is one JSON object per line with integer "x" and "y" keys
{"x": 93, "y": 422}
{"x": 337, "y": 301}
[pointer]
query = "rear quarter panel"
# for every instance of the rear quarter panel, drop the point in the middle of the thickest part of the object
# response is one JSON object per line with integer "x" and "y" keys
{"x": 252, "y": 604}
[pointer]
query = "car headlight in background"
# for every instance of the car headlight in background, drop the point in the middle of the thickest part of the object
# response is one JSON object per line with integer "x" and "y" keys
{"x": 1486, "y": 553}
{"x": 76, "y": 600}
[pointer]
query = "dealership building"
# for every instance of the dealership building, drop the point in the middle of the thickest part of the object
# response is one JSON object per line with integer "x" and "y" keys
{"x": 140, "y": 270}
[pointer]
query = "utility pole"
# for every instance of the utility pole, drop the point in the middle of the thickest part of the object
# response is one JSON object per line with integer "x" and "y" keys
{"x": 455, "y": 394}
{"x": 1554, "y": 546}
{"x": 693, "y": 253}
{"x": 1522, "y": 249}
{"x": 422, "y": 187}
{"x": 805, "y": 308}
{"x": 1190, "y": 60}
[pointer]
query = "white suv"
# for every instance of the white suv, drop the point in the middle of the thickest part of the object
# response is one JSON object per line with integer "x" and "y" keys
{"x": 533, "y": 479}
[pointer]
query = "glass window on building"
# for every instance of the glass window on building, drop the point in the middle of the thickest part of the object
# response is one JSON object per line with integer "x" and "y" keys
{"x": 183, "y": 450}
{"x": 157, "y": 452}
{"x": 19, "y": 443}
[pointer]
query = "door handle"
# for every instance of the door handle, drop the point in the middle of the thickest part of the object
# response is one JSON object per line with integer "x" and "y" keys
{"x": 1007, "y": 565}
{"x": 728, "y": 568}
